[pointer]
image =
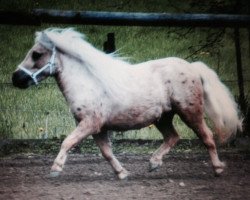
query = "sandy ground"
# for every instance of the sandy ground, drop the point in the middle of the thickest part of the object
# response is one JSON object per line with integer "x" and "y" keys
{"x": 182, "y": 176}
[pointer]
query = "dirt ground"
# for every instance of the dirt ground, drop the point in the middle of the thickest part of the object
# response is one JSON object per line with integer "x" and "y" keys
{"x": 182, "y": 176}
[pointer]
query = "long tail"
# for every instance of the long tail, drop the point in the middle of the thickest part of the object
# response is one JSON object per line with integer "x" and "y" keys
{"x": 220, "y": 105}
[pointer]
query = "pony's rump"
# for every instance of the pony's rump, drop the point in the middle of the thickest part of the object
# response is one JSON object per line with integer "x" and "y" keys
{"x": 220, "y": 105}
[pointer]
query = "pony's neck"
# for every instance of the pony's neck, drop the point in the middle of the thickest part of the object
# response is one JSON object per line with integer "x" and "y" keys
{"x": 112, "y": 74}
{"x": 78, "y": 78}
{"x": 99, "y": 63}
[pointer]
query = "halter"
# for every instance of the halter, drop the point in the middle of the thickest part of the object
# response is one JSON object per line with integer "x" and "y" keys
{"x": 50, "y": 64}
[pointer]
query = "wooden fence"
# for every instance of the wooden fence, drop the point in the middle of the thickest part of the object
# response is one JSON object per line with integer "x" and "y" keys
{"x": 38, "y": 16}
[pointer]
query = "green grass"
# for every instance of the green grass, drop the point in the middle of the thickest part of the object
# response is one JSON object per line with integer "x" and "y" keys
{"x": 23, "y": 113}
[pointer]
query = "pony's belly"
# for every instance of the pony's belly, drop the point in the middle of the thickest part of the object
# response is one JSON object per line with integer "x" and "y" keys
{"x": 122, "y": 126}
{"x": 134, "y": 119}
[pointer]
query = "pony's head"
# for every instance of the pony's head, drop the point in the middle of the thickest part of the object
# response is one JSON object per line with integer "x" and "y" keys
{"x": 38, "y": 64}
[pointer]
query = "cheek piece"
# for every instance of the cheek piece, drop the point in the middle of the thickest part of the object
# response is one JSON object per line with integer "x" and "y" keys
{"x": 50, "y": 65}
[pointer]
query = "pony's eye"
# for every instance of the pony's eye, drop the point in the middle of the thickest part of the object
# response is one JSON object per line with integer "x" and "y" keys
{"x": 36, "y": 55}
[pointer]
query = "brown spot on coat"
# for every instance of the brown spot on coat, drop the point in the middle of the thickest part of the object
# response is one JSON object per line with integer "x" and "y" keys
{"x": 183, "y": 82}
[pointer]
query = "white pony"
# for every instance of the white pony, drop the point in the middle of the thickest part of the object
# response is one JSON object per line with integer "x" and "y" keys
{"x": 105, "y": 93}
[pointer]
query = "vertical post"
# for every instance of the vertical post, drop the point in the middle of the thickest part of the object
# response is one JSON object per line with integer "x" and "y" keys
{"x": 109, "y": 45}
{"x": 239, "y": 70}
{"x": 249, "y": 41}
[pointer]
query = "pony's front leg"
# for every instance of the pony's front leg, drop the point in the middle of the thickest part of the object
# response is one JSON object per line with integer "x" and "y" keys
{"x": 82, "y": 131}
{"x": 104, "y": 143}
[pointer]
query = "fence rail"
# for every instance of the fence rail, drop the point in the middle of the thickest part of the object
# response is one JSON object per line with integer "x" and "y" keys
{"x": 38, "y": 16}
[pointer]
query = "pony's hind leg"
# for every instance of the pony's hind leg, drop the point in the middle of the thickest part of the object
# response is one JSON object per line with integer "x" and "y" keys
{"x": 206, "y": 135}
{"x": 195, "y": 120}
{"x": 170, "y": 136}
{"x": 104, "y": 143}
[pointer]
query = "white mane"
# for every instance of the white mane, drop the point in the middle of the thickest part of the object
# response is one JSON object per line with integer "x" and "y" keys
{"x": 102, "y": 66}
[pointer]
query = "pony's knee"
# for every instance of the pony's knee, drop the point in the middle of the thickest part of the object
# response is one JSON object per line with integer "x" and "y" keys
{"x": 173, "y": 140}
{"x": 68, "y": 143}
{"x": 108, "y": 157}
{"x": 209, "y": 142}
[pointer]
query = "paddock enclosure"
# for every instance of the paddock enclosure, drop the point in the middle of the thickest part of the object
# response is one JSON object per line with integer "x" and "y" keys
{"x": 213, "y": 37}
{"x": 182, "y": 176}
{"x": 185, "y": 173}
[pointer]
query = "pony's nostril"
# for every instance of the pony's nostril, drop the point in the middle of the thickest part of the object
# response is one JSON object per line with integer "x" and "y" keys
{"x": 15, "y": 79}
{"x": 20, "y": 79}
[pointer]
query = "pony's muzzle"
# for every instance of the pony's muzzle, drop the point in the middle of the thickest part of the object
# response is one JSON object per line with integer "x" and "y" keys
{"x": 21, "y": 80}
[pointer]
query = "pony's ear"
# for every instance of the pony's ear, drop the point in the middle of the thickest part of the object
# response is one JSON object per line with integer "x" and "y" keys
{"x": 44, "y": 39}
{"x": 56, "y": 39}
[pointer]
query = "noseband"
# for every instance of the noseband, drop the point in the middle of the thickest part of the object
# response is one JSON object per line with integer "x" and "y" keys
{"x": 50, "y": 64}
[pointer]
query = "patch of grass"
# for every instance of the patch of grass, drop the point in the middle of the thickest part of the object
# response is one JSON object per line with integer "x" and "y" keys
{"x": 120, "y": 146}
{"x": 40, "y": 111}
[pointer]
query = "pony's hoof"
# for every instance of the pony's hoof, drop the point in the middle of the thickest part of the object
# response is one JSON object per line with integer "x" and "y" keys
{"x": 123, "y": 175}
{"x": 218, "y": 170}
{"x": 55, "y": 170}
{"x": 54, "y": 174}
{"x": 154, "y": 165}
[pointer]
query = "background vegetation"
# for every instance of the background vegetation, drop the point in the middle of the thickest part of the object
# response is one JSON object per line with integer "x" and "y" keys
{"x": 41, "y": 112}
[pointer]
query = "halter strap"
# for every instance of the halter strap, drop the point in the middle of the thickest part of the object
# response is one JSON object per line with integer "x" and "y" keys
{"x": 50, "y": 64}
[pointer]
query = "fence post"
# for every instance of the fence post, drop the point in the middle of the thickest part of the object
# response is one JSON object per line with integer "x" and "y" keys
{"x": 242, "y": 101}
{"x": 109, "y": 45}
